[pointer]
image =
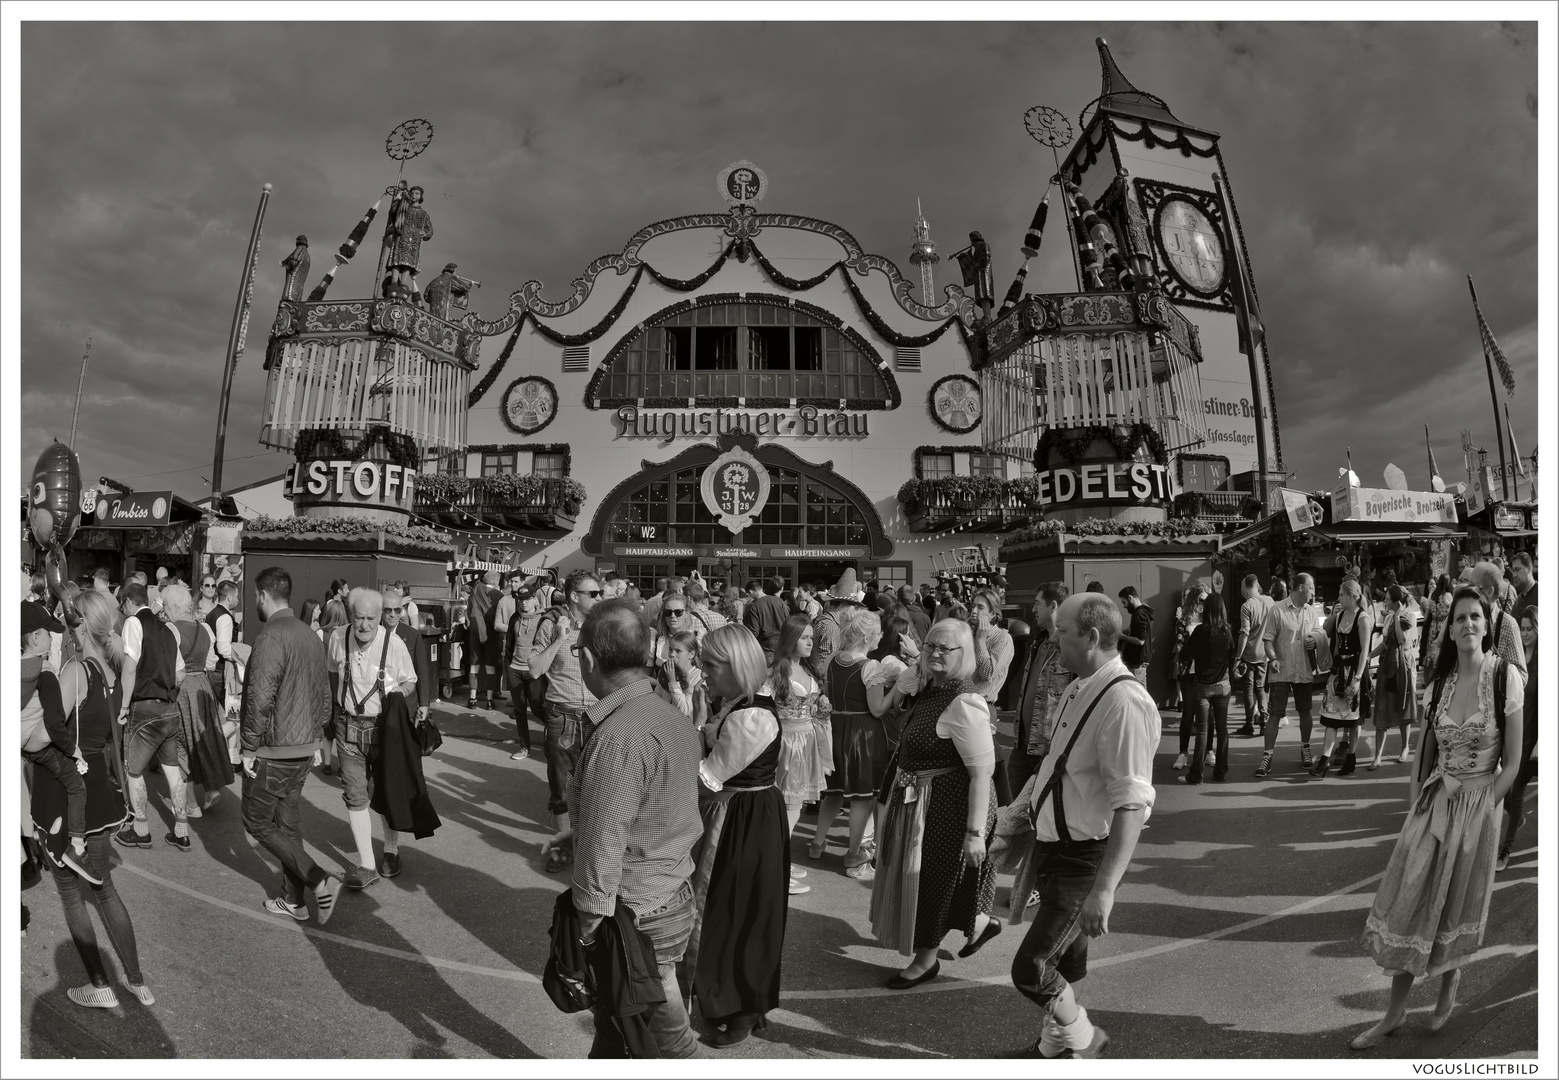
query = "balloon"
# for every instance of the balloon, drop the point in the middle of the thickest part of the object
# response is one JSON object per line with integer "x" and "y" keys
{"x": 54, "y": 509}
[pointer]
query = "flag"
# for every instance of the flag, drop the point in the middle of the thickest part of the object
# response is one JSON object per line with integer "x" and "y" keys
{"x": 1253, "y": 332}
{"x": 1436, "y": 483}
{"x": 1514, "y": 453}
{"x": 344, "y": 254}
{"x": 1491, "y": 347}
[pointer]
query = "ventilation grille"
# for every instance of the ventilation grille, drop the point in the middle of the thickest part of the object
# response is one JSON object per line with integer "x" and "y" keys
{"x": 576, "y": 358}
{"x": 906, "y": 359}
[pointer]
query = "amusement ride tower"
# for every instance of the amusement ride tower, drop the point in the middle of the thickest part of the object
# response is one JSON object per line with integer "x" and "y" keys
{"x": 923, "y": 254}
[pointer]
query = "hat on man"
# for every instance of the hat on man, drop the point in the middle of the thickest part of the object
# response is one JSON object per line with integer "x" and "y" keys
{"x": 36, "y": 617}
{"x": 846, "y": 588}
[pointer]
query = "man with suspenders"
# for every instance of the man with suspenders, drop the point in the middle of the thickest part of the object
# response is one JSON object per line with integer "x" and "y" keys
{"x": 1091, "y": 797}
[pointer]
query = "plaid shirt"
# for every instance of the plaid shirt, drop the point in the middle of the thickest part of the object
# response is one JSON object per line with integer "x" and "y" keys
{"x": 634, "y": 802}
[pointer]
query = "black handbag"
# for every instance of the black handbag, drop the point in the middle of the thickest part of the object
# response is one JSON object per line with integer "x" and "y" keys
{"x": 429, "y": 736}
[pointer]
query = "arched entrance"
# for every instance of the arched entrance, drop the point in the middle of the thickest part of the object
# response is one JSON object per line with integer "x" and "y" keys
{"x": 815, "y": 524}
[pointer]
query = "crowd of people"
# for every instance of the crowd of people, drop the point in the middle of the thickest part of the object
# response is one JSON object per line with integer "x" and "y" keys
{"x": 685, "y": 734}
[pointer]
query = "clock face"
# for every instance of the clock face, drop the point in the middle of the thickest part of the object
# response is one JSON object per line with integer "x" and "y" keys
{"x": 1192, "y": 245}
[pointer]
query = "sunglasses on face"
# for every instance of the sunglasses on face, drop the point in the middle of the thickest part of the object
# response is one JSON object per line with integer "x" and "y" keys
{"x": 592, "y": 593}
{"x": 675, "y": 612}
{"x": 208, "y": 585}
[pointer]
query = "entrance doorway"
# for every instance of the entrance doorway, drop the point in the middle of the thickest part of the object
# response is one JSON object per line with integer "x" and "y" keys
{"x": 824, "y": 573}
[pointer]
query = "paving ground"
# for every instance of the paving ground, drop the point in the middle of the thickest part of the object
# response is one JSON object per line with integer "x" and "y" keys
{"x": 1234, "y": 935}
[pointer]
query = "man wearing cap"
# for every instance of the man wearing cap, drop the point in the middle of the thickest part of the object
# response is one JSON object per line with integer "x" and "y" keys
{"x": 1485, "y": 576}
{"x": 153, "y": 669}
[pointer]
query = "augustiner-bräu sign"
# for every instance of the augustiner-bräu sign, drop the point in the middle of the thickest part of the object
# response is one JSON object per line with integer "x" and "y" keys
{"x": 1129, "y": 483}
{"x": 805, "y": 422}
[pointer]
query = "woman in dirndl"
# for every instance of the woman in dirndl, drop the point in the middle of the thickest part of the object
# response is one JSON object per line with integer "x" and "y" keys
{"x": 806, "y": 754}
{"x": 742, "y": 864}
{"x": 1347, "y": 693}
{"x": 1432, "y": 908}
{"x": 932, "y": 873}
{"x": 1396, "y": 683}
{"x": 862, "y": 741}
{"x": 203, "y": 756}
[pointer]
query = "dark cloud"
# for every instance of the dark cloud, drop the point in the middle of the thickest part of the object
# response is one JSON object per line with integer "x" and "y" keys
{"x": 1374, "y": 167}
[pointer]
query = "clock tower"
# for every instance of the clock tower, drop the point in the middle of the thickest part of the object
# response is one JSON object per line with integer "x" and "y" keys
{"x": 1151, "y": 176}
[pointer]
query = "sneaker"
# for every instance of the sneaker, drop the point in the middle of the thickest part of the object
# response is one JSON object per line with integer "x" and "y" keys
{"x": 79, "y": 865}
{"x": 1245, "y": 732}
{"x": 797, "y": 873}
{"x": 1180, "y": 762}
{"x": 1033, "y": 900}
{"x": 1266, "y": 763}
{"x": 142, "y": 993}
{"x": 93, "y": 997}
{"x": 1306, "y": 758}
{"x": 128, "y": 837}
{"x": 1503, "y": 860}
{"x": 1095, "y": 1048}
{"x": 861, "y": 872}
{"x": 278, "y": 905}
{"x": 183, "y": 843}
{"x": 796, "y": 888}
{"x": 360, "y": 877}
{"x": 1212, "y": 759}
{"x": 327, "y": 898}
{"x": 1282, "y": 723}
{"x": 520, "y": 755}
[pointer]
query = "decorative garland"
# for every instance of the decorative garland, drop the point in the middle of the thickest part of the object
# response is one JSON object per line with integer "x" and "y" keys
{"x": 921, "y": 451}
{"x": 1073, "y": 443}
{"x": 492, "y": 373}
{"x": 1035, "y": 535}
{"x": 961, "y": 491}
{"x": 347, "y": 526}
{"x": 931, "y": 404}
{"x": 689, "y": 284}
{"x": 314, "y": 443}
{"x": 567, "y": 494}
{"x": 503, "y": 407}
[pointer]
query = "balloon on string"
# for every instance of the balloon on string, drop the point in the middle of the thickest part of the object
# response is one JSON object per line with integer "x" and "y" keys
{"x": 55, "y": 505}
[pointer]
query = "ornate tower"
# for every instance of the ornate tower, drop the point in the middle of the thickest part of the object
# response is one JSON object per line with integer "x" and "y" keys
{"x": 923, "y": 254}
{"x": 1155, "y": 181}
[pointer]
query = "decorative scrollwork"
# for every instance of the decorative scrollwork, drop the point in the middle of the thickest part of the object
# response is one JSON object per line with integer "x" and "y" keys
{"x": 1048, "y": 126}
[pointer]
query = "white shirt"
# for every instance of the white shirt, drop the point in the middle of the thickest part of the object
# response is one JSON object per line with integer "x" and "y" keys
{"x": 1112, "y": 764}
{"x": 364, "y": 663}
{"x": 132, "y": 642}
{"x": 967, "y": 721}
{"x": 742, "y": 736}
{"x": 411, "y": 614}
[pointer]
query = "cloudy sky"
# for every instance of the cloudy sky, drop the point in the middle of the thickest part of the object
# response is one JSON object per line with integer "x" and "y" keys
{"x": 1375, "y": 166}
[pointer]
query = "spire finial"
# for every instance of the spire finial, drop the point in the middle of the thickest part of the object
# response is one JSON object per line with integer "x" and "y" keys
{"x": 1118, "y": 94}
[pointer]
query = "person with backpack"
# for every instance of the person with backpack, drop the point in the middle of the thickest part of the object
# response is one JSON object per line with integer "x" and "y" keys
{"x": 47, "y": 738}
{"x": 1432, "y": 908}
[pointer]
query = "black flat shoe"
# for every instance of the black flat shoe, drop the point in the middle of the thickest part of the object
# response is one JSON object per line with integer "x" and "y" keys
{"x": 899, "y": 982}
{"x": 736, "y": 1030}
{"x": 992, "y": 929}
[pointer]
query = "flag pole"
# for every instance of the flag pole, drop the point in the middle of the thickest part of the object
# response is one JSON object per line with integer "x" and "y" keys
{"x": 1499, "y": 434}
{"x": 235, "y": 342}
{"x": 1247, "y": 345}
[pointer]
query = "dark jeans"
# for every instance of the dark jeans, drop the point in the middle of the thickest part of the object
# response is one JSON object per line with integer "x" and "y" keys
{"x": 270, "y": 811}
{"x": 1254, "y": 687}
{"x": 110, "y": 908}
{"x": 63, "y": 768}
{"x": 668, "y": 927}
{"x": 565, "y": 734}
{"x": 1280, "y": 692}
{"x": 1054, "y": 953}
{"x": 1515, "y": 800}
{"x": 1020, "y": 766}
{"x": 519, "y": 697}
{"x": 1216, "y": 711}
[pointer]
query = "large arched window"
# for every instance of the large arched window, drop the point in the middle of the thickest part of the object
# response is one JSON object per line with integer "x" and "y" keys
{"x": 762, "y": 349}
{"x": 801, "y": 511}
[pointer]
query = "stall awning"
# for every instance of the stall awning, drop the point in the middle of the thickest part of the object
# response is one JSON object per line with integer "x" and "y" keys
{"x": 1348, "y": 533}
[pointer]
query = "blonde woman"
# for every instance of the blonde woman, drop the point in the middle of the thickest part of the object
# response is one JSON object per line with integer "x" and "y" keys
{"x": 1347, "y": 694}
{"x": 742, "y": 864}
{"x": 933, "y": 875}
{"x": 861, "y": 741}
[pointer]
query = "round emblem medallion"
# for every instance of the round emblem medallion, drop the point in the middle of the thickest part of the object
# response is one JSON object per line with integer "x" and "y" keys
{"x": 742, "y": 182}
{"x": 956, "y": 404}
{"x": 529, "y": 404}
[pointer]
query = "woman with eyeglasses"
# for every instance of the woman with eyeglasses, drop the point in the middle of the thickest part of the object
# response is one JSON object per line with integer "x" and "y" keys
{"x": 742, "y": 863}
{"x": 932, "y": 873}
{"x": 1432, "y": 908}
{"x": 207, "y": 600}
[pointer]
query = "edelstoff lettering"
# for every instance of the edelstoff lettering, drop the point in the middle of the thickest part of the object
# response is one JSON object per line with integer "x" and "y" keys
{"x": 1137, "y": 481}
{"x": 366, "y": 479}
{"x": 805, "y": 422}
